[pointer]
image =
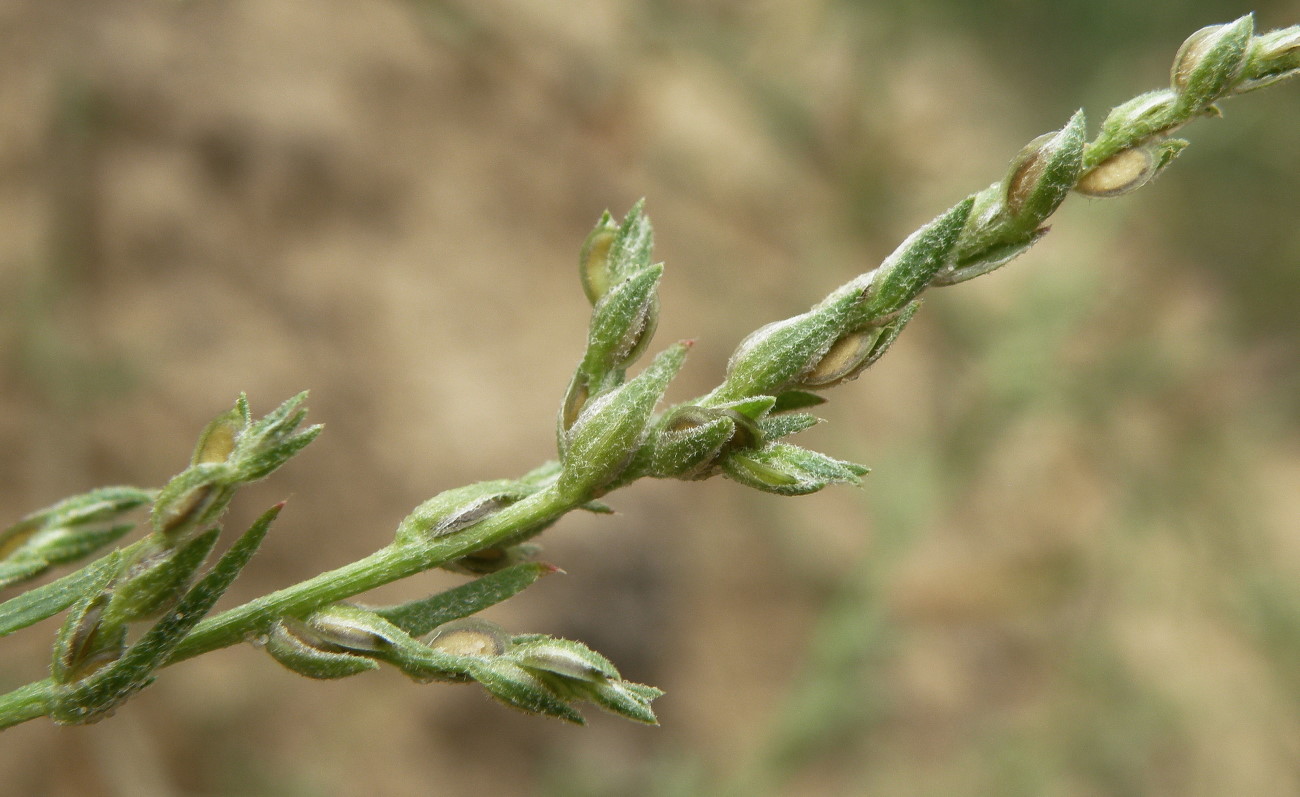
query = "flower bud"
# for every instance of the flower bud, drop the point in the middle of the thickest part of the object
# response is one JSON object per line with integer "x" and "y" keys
{"x": 1144, "y": 117}
{"x": 770, "y": 358}
{"x": 752, "y": 471}
{"x": 844, "y": 355}
{"x": 639, "y": 334}
{"x": 191, "y": 497}
{"x": 1273, "y": 56}
{"x": 575, "y": 400}
{"x": 610, "y": 429}
{"x": 351, "y": 632}
{"x": 625, "y": 699}
{"x": 785, "y": 469}
{"x": 1210, "y": 61}
{"x": 349, "y": 628}
{"x": 459, "y": 508}
{"x": 523, "y": 689}
{"x": 1044, "y": 172}
{"x": 572, "y": 661}
{"x": 152, "y": 580}
{"x": 632, "y": 246}
{"x": 691, "y": 439}
{"x": 85, "y": 642}
{"x": 298, "y": 648}
{"x": 623, "y": 323}
{"x": 575, "y": 672}
{"x": 270, "y": 441}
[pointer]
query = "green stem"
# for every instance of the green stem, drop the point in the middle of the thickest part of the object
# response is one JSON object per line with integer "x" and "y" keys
{"x": 26, "y": 703}
{"x": 388, "y": 564}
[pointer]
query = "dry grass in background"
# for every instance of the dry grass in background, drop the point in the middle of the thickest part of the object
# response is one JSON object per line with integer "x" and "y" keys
{"x": 1073, "y": 571}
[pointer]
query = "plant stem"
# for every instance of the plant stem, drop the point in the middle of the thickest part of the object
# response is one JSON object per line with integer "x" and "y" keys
{"x": 388, "y": 564}
{"x": 27, "y": 702}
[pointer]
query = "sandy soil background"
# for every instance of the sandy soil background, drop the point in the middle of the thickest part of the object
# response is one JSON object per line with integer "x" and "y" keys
{"x": 1073, "y": 570}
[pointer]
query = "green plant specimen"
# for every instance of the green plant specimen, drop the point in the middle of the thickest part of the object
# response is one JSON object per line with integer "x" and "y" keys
{"x": 144, "y": 606}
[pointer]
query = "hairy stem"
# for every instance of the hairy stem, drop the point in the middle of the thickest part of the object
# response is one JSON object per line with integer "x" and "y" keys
{"x": 388, "y": 564}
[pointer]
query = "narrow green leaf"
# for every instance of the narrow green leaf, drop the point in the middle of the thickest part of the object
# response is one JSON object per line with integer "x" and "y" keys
{"x": 770, "y": 359}
{"x": 422, "y": 616}
{"x": 283, "y": 418}
{"x": 260, "y": 465}
{"x": 65, "y": 532}
{"x": 907, "y": 271}
{"x": 18, "y": 569}
{"x": 796, "y": 400}
{"x": 105, "y": 503}
{"x": 626, "y": 699}
{"x": 47, "y": 600}
{"x": 96, "y": 696}
{"x": 74, "y": 545}
{"x": 778, "y": 426}
{"x": 979, "y": 263}
{"x": 632, "y": 245}
{"x": 753, "y": 407}
{"x": 785, "y": 469}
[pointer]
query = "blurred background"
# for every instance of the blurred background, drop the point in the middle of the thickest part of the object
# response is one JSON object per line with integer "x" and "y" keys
{"x": 1074, "y": 570}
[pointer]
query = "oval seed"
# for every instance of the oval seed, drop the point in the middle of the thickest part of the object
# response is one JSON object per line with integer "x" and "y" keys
{"x": 593, "y": 263}
{"x": 469, "y": 637}
{"x": 1118, "y": 174}
{"x": 1026, "y": 170}
{"x": 843, "y": 356}
{"x": 574, "y": 401}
